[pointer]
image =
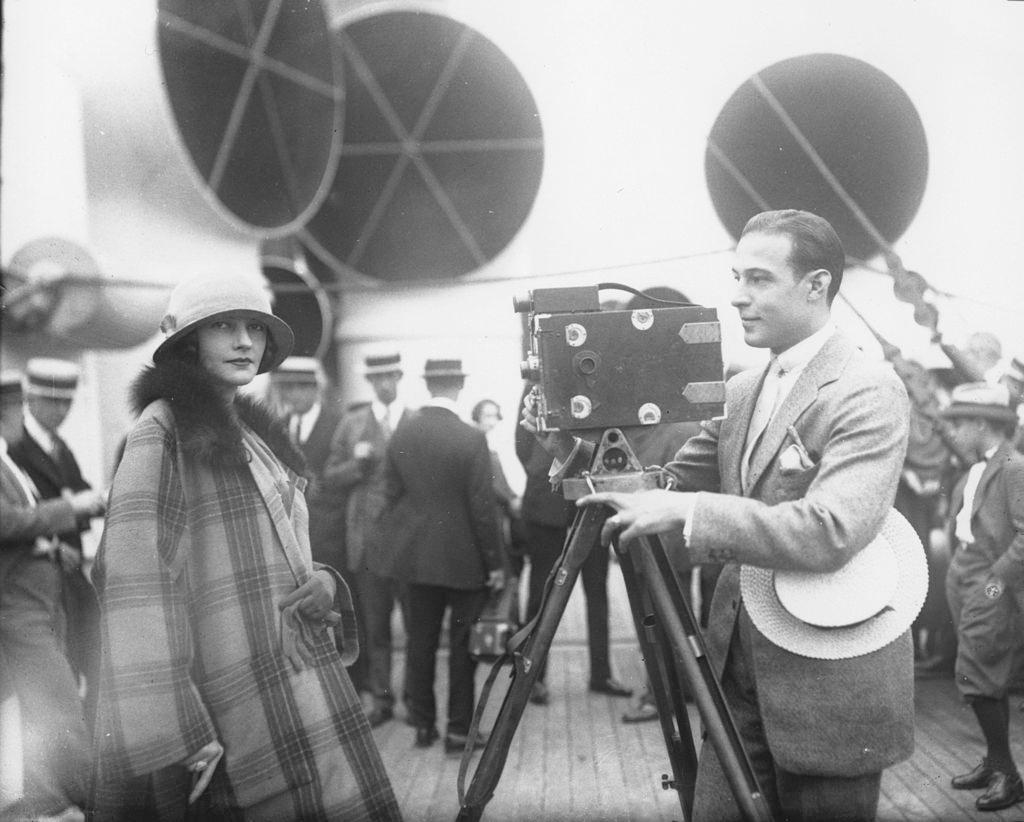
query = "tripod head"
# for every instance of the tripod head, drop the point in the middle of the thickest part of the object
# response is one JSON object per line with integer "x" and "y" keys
{"x": 614, "y": 467}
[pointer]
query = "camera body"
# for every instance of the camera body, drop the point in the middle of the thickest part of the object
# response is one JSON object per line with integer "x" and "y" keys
{"x": 597, "y": 369}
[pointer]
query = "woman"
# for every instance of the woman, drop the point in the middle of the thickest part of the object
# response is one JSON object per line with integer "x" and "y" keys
{"x": 222, "y": 695}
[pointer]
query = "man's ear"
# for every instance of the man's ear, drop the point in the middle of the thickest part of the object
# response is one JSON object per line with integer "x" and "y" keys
{"x": 819, "y": 280}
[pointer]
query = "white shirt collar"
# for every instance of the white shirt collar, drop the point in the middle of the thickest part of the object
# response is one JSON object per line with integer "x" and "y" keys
{"x": 43, "y": 437}
{"x": 443, "y": 402}
{"x": 796, "y": 357}
{"x": 394, "y": 409}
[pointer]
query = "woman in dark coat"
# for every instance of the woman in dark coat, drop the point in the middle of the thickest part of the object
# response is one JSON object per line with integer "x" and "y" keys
{"x": 222, "y": 694}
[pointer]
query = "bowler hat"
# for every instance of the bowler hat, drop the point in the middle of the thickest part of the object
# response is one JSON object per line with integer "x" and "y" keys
{"x": 862, "y": 607}
{"x": 200, "y": 299}
{"x": 55, "y": 379}
{"x": 981, "y": 400}
{"x": 443, "y": 368}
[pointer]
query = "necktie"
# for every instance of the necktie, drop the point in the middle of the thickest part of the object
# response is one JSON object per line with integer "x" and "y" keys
{"x": 764, "y": 410}
{"x": 385, "y": 423}
{"x": 295, "y": 428}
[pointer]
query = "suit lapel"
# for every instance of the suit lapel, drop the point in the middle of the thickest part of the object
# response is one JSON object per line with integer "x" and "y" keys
{"x": 823, "y": 368}
{"x": 42, "y": 461}
{"x": 739, "y": 415}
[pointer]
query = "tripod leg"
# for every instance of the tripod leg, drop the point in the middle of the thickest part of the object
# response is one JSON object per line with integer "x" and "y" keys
{"x": 681, "y": 628}
{"x": 665, "y": 682}
{"x": 582, "y": 537}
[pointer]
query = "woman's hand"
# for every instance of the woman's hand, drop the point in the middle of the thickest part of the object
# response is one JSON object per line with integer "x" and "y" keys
{"x": 641, "y": 513}
{"x": 314, "y": 599}
{"x": 202, "y": 764}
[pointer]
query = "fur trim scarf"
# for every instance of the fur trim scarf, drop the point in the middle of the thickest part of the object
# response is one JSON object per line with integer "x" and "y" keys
{"x": 207, "y": 428}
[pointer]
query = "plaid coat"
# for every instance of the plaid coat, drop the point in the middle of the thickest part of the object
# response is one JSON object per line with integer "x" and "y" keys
{"x": 197, "y": 551}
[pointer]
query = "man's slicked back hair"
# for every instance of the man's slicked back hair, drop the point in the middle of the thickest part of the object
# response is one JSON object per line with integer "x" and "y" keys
{"x": 815, "y": 243}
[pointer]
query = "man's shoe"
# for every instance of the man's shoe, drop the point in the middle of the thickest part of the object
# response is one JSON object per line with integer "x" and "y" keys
{"x": 425, "y": 737}
{"x": 610, "y": 687}
{"x": 642, "y": 712}
{"x": 1004, "y": 790}
{"x": 456, "y": 743}
{"x": 379, "y": 715}
{"x": 978, "y": 778}
{"x": 539, "y": 693}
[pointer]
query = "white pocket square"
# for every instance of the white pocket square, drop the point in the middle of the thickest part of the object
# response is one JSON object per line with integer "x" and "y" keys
{"x": 794, "y": 460}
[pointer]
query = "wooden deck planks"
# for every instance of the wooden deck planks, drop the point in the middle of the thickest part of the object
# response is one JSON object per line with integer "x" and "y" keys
{"x": 575, "y": 760}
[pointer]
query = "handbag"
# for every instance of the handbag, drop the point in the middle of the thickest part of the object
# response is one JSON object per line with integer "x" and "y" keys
{"x": 490, "y": 632}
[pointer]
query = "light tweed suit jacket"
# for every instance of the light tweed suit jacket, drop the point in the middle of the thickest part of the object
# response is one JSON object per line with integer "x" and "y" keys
{"x": 842, "y": 717}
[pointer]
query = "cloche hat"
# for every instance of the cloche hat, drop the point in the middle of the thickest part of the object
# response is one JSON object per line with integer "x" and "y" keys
{"x": 858, "y": 609}
{"x": 199, "y": 299}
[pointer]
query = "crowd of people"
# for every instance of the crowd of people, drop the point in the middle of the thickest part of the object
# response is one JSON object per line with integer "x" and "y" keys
{"x": 230, "y": 650}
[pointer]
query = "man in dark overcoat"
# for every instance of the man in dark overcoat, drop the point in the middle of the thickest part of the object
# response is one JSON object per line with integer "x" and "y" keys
{"x": 985, "y": 580}
{"x": 439, "y": 522}
{"x": 40, "y": 451}
{"x": 355, "y": 466}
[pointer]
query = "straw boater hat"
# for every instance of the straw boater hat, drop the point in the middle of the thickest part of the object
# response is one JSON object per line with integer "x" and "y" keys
{"x": 300, "y": 370}
{"x": 443, "y": 368}
{"x": 980, "y": 400}
{"x": 199, "y": 299}
{"x": 11, "y": 387}
{"x": 382, "y": 364}
{"x": 53, "y": 379}
{"x": 858, "y": 609}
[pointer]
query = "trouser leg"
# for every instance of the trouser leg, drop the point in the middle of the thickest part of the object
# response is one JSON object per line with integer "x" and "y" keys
{"x": 466, "y": 607}
{"x": 55, "y": 742}
{"x": 545, "y": 546}
{"x": 426, "y": 613}
{"x": 594, "y": 574}
{"x": 377, "y": 595}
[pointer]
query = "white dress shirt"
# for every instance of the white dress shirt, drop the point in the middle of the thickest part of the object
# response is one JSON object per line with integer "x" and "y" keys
{"x": 962, "y": 530}
{"x": 36, "y": 431}
{"x": 302, "y": 424}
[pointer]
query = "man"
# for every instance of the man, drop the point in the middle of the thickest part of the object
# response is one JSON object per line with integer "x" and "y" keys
{"x": 50, "y": 387}
{"x": 985, "y": 581}
{"x": 439, "y": 523}
{"x": 546, "y": 517}
{"x": 355, "y": 466}
{"x": 803, "y": 471}
{"x": 300, "y": 385}
{"x": 32, "y": 663}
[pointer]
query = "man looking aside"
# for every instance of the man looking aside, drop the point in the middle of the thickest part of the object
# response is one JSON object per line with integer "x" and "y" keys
{"x": 802, "y": 472}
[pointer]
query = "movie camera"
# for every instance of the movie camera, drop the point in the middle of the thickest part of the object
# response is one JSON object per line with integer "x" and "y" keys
{"x": 598, "y": 369}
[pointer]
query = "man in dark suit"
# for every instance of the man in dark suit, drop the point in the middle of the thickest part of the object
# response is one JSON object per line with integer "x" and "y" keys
{"x": 32, "y": 663}
{"x": 985, "y": 580}
{"x": 355, "y": 466}
{"x": 784, "y": 481}
{"x": 440, "y": 523}
{"x": 546, "y": 517}
{"x": 312, "y": 417}
{"x": 50, "y": 387}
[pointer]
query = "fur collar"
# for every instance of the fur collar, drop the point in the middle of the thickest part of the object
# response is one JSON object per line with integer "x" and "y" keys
{"x": 207, "y": 430}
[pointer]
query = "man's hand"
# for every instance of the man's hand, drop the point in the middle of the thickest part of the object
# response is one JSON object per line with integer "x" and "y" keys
{"x": 496, "y": 580}
{"x": 314, "y": 599}
{"x": 557, "y": 443}
{"x": 88, "y": 503}
{"x": 641, "y": 513}
{"x": 202, "y": 764}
